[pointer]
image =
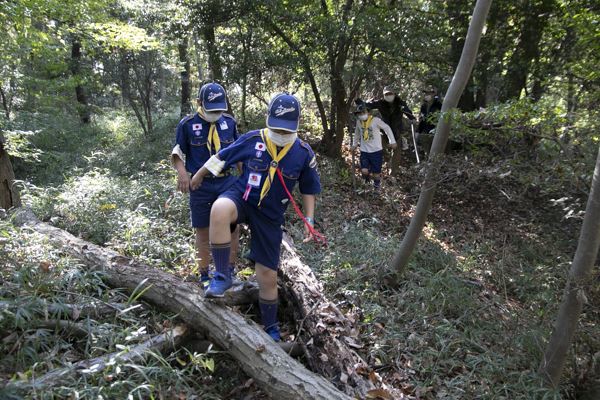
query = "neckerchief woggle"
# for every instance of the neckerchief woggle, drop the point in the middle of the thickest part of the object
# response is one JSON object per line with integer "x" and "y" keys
{"x": 365, "y": 125}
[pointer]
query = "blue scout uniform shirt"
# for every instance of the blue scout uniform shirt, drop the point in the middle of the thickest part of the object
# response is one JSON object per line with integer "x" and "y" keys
{"x": 192, "y": 136}
{"x": 298, "y": 165}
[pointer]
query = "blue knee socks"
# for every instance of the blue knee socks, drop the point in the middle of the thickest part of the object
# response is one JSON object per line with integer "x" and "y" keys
{"x": 220, "y": 254}
{"x": 268, "y": 312}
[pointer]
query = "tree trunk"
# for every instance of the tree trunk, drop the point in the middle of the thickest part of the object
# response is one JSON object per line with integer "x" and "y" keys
{"x": 334, "y": 137}
{"x": 244, "y": 120}
{"x": 579, "y": 278}
{"x": 337, "y": 54}
{"x": 214, "y": 60}
{"x": 246, "y": 43}
{"x": 83, "y": 108}
{"x": 305, "y": 62}
{"x": 125, "y": 69}
{"x": 460, "y": 20}
{"x": 459, "y": 81}
{"x": 184, "y": 60}
{"x": 5, "y": 103}
{"x": 261, "y": 358}
{"x": 323, "y": 324}
{"x": 146, "y": 95}
{"x": 9, "y": 196}
{"x": 528, "y": 47}
{"x": 198, "y": 60}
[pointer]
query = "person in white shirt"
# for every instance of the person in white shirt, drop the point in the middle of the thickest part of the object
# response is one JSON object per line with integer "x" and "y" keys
{"x": 368, "y": 134}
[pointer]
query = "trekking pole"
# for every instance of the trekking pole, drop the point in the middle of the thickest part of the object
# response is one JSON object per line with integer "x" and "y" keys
{"x": 353, "y": 171}
{"x": 412, "y": 127}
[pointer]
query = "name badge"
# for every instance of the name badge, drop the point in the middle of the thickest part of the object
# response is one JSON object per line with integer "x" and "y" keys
{"x": 254, "y": 179}
{"x": 223, "y": 125}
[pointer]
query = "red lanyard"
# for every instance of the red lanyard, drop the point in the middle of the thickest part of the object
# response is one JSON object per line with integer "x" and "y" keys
{"x": 318, "y": 236}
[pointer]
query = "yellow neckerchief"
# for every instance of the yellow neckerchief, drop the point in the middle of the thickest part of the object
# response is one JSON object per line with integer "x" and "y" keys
{"x": 276, "y": 156}
{"x": 365, "y": 125}
{"x": 213, "y": 135}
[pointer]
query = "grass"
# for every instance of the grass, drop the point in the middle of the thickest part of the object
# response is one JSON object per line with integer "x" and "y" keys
{"x": 468, "y": 320}
{"x": 454, "y": 339}
{"x": 115, "y": 190}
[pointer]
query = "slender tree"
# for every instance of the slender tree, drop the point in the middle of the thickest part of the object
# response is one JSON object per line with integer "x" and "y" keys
{"x": 80, "y": 95}
{"x": 9, "y": 196}
{"x": 527, "y": 50}
{"x": 459, "y": 81}
{"x": 214, "y": 60}
{"x": 574, "y": 298}
{"x": 184, "y": 60}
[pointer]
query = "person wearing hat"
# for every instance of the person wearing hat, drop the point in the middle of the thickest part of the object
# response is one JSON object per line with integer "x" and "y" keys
{"x": 198, "y": 137}
{"x": 270, "y": 157}
{"x": 431, "y": 105}
{"x": 368, "y": 134}
{"x": 392, "y": 109}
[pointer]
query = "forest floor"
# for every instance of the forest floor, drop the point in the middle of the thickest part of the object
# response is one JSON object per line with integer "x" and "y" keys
{"x": 468, "y": 319}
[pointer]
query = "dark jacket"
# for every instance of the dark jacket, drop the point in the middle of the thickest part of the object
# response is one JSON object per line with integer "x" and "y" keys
{"x": 426, "y": 123}
{"x": 391, "y": 113}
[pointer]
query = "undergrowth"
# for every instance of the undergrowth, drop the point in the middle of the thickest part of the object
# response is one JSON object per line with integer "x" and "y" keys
{"x": 469, "y": 319}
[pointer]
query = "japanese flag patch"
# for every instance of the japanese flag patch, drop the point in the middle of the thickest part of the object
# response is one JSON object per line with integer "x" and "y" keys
{"x": 196, "y": 127}
{"x": 254, "y": 179}
{"x": 260, "y": 146}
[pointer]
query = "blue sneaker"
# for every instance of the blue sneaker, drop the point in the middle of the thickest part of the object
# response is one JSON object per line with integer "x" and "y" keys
{"x": 218, "y": 285}
{"x": 204, "y": 279}
{"x": 273, "y": 331}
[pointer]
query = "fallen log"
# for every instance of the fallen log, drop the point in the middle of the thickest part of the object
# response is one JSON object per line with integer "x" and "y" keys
{"x": 202, "y": 346}
{"x": 258, "y": 356}
{"x": 67, "y": 327}
{"x": 161, "y": 343}
{"x": 327, "y": 333}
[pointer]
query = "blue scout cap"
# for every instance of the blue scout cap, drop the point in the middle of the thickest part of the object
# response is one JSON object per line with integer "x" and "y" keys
{"x": 284, "y": 112}
{"x": 213, "y": 97}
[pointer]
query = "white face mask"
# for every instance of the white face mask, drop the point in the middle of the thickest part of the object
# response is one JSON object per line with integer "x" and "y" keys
{"x": 282, "y": 139}
{"x": 363, "y": 117}
{"x": 209, "y": 116}
{"x": 389, "y": 97}
{"x": 428, "y": 98}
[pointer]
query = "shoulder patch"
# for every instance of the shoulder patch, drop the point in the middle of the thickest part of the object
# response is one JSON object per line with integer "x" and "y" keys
{"x": 186, "y": 118}
{"x": 249, "y": 135}
{"x": 306, "y": 146}
{"x": 313, "y": 158}
{"x": 229, "y": 116}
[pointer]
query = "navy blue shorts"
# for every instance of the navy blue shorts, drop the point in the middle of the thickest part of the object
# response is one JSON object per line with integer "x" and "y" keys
{"x": 265, "y": 234}
{"x": 371, "y": 161}
{"x": 202, "y": 199}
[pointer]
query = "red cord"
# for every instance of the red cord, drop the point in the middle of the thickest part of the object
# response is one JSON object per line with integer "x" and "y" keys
{"x": 318, "y": 236}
